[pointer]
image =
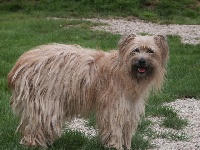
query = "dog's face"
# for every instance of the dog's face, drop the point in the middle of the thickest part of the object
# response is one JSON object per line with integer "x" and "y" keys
{"x": 144, "y": 55}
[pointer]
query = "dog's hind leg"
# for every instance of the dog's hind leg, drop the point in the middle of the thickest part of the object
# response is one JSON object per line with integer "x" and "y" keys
{"x": 40, "y": 129}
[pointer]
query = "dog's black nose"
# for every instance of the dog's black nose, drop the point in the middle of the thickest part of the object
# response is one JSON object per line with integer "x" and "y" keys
{"x": 142, "y": 62}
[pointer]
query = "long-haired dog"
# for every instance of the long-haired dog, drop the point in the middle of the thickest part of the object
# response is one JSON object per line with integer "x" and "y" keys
{"x": 53, "y": 83}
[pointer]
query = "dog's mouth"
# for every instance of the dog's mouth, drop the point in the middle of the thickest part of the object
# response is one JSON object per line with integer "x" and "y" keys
{"x": 141, "y": 70}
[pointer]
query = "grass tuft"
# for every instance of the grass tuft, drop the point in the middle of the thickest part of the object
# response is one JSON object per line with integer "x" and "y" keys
{"x": 175, "y": 123}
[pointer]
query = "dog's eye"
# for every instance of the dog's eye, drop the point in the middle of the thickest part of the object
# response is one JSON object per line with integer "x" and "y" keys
{"x": 150, "y": 51}
{"x": 136, "y": 50}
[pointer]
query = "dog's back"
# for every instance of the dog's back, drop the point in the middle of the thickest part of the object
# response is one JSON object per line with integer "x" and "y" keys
{"x": 48, "y": 56}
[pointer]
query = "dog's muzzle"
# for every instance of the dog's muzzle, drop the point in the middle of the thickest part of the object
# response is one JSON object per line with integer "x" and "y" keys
{"x": 142, "y": 68}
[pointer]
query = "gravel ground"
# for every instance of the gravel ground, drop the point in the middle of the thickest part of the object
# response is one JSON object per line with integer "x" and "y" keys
{"x": 81, "y": 125}
{"x": 186, "y": 108}
{"x": 188, "y": 33}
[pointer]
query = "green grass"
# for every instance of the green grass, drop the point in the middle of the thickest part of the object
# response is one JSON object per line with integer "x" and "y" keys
{"x": 160, "y": 11}
{"x": 175, "y": 122}
{"x": 20, "y": 32}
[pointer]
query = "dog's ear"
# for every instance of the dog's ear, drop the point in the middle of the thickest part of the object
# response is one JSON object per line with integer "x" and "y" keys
{"x": 125, "y": 40}
{"x": 161, "y": 42}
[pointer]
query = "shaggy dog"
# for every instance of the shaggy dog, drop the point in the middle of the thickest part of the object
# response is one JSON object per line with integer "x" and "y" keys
{"x": 53, "y": 83}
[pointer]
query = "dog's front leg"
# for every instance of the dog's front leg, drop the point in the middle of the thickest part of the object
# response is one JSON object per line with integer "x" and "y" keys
{"x": 133, "y": 111}
{"x": 110, "y": 123}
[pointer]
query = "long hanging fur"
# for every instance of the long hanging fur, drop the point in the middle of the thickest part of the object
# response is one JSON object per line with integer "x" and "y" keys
{"x": 54, "y": 83}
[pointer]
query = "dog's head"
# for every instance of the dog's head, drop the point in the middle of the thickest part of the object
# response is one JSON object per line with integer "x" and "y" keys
{"x": 145, "y": 56}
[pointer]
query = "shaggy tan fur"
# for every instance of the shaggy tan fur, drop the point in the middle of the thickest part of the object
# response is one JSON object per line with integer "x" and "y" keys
{"x": 53, "y": 83}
